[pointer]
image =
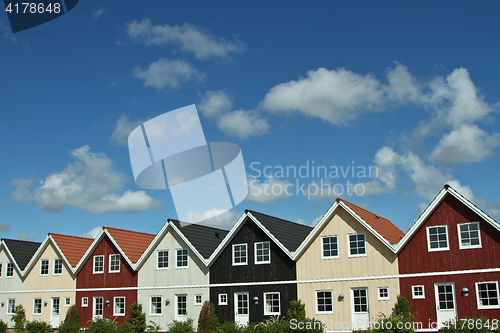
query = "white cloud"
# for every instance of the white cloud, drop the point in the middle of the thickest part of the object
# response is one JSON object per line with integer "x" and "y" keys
{"x": 90, "y": 183}
{"x": 4, "y": 227}
{"x": 25, "y": 236}
{"x": 122, "y": 130}
{"x": 92, "y": 233}
{"x": 225, "y": 220}
{"x": 312, "y": 224}
{"x": 98, "y": 13}
{"x": 22, "y": 191}
{"x": 203, "y": 44}
{"x": 168, "y": 73}
{"x": 269, "y": 191}
{"x": 214, "y": 104}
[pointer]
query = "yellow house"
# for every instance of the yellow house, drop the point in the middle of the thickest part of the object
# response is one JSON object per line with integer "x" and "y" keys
{"x": 347, "y": 268}
{"x": 50, "y": 279}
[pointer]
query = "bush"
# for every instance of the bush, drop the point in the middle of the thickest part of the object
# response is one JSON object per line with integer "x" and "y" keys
{"x": 230, "y": 327}
{"x": 208, "y": 321}
{"x": 402, "y": 307}
{"x": 126, "y": 327}
{"x": 137, "y": 317}
{"x": 3, "y": 326}
{"x": 19, "y": 318}
{"x": 470, "y": 325}
{"x": 99, "y": 325}
{"x": 71, "y": 323}
{"x": 38, "y": 327}
{"x": 181, "y": 326}
{"x": 297, "y": 310}
{"x": 152, "y": 327}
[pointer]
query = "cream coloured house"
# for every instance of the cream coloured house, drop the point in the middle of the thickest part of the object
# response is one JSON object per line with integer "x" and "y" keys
{"x": 347, "y": 268}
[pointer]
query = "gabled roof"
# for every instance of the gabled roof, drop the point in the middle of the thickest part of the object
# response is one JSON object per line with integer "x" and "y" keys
{"x": 72, "y": 247}
{"x": 205, "y": 239}
{"x": 21, "y": 251}
{"x": 380, "y": 227}
{"x": 447, "y": 190}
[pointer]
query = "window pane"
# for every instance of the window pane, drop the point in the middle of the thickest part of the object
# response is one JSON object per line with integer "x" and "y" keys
{"x": 162, "y": 259}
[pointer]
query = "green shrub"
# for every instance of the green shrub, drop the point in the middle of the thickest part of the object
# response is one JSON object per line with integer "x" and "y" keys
{"x": 137, "y": 317}
{"x": 470, "y": 325}
{"x": 152, "y": 327}
{"x": 126, "y": 327}
{"x": 99, "y": 325}
{"x": 3, "y": 326}
{"x": 297, "y": 310}
{"x": 230, "y": 327}
{"x": 208, "y": 321}
{"x": 71, "y": 323}
{"x": 19, "y": 318}
{"x": 181, "y": 326}
{"x": 38, "y": 327}
{"x": 402, "y": 307}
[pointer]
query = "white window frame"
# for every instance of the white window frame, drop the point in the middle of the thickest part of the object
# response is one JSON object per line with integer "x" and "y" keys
{"x": 380, "y": 298}
{"x": 265, "y": 304}
{"x": 41, "y": 266}
{"x": 151, "y": 305}
{"x": 177, "y": 315}
{"x": 255, "y": 253}
{"x": 85, "y": 302}
{"x": 447, "y": 248}
{"x": 124, "y": 306}
{"x": 67, "y": 301}
{"x": 460, "y": 246}
{"x": 246, "y": 256}
{"x": 9, "y": 265}
{"x": 195, "y": 299}
{"x": 103, "y": 264}
{"x": 8, "y": 306}
{"x": 316, "y": 299}
{"x": 1, "y": 266}
{"x": 54, "y": 269}
{"x": 323, "y": 251}
{"x": 479, "y": 306}
{"x": 221, "y": 302}
{"x": 111, "y": 261}
{"x": 349, "y": 245}
{"x": 158, "y": 259}
{"x": 94, "y": 307}
{"x": 413, "y": 296}
{"x": 34, "y": 307}
{"x": 187, "y": 259}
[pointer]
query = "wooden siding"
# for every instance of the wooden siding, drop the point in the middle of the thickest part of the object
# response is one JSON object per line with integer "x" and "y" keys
{"x": 14, "y": 283}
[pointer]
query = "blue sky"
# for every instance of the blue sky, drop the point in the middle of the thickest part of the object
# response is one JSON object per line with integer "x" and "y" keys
{"x": 410, "y": 88}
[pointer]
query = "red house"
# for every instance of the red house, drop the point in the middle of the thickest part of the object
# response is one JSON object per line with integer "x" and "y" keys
{"x": 107, "y": 270}
{"x": 449, "y": 262}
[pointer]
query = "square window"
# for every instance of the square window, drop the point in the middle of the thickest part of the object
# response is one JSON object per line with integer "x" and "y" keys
{"x": 222, "y": 299}
{"x": 67, "y": 301}
{"x": 155, "y": 305}
{"x": 98, "y": 264}
{"x": 239, "y": 254}
{"x": 44, "y": 267}
{"x": 272, "y": 304}
{"x": 383, "y": 293}
{"x": 357, "y": 245}
{"x": 487, "y": 295}
{"x": 324, "y": 301}
{"x": 181, "y": 305}
{"x": 263, "y": 253}
{"x": 98, "y": 307}
{"x": 58, "y": 266}
{"x": 85, "y": 302}
{"x": 182, "y": 258}
{"x": 330, "y": 247}
{"x": 417, "y": 292}
{"x": 119, "y": 306}
{"x": 198, "y": 300}
{"x": 11, "y": 306}
{"x": 162, "y": 259}
{"x": 114, "y": 263}
{"x": 437, "y": 238}
{"x": 469, "y": 235}
{"x": 37, "y": 306}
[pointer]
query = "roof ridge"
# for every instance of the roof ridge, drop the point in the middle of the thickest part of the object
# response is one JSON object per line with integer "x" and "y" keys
{"x": 366, "y": 210}
{"x": 278, "y": 218}
{"x": 137, "y": 232}
{"x": 201, "y": 225}
{"x": 54, "y": 233}
{"x": 19, "y": 240}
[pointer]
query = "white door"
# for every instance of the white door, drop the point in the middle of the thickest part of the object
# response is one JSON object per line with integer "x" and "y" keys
{"x": 445, "y": 302}
{"x": 360, "y": 314}
{"x": 54, "y": 312}
{"x": 241, "y": 308}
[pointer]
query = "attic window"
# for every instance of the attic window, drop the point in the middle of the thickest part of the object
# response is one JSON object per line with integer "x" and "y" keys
{"x": 182, "y": 258}
{"x": 57, "y": 266}
{"x": 469, "y": 235}
{"x": 44, "y": 267}
{"x": 98, "y": 264}
{"x": 240, "y": 254}
{"x": 262, "y": 253}
{"x": 114, "y": 263}
{"x": 10, "y": 269}
{"x": 357, "y": 245}
{"x": 437, "y": 238}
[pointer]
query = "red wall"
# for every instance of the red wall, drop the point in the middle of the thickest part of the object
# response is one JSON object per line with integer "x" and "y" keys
{"x": 127, "y": 277}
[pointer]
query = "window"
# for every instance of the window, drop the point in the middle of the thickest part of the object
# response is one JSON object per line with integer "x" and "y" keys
{"x": 357, "y": 245}
{"x": 324, "y": 301}
{"x": 11, "y": 306}
{"x": 182, "y": 258}
{"x": 330, "y": 247}
{"x": 162, "y": 259}
{"x": 181, "y": 305}
{"x": 272, "y": 304}
{"x": 114, "y": 263}
{"x": 10, "y": 269}
{"x": 155, "y": 305}
{"x": 487, "y": 295}
{"x": 437, "y": 238}
{"x": 383, "y": 293}
{"x": 0, "y": 269}
{"x": 37, "y": 306}
{"x": 469, "y": 235}
{"x": 222, "y": 299}
{"x": 98, "y": 307}
{"x": 98, "y": 264}
{"x": 55, "y": 305}
{"x": 44, "y": 267}
{"x": 417, "y": 292}
{"x": 58, "y": 266}
{"x": 67, "y": 301}
{"x": 85, "y": 302}
{"x": 263, "y": 253}
{"x": 239, "y": 254}
{"x": 119, "y": 306}
{"x": 198, "y": 300}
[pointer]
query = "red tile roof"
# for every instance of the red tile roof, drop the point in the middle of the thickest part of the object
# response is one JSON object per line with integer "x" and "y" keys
{"x": 133, "y": 243}
{"x": 382, "y": 225}
{"x": 72, "y": 247}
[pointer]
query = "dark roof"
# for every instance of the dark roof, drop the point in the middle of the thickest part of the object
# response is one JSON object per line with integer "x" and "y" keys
{"x": 290, "y": 234}
{"x": 204, "y": 239}
{"x": 22, "y": 251}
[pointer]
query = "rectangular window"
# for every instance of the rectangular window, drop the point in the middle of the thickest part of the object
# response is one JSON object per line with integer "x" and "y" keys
{"x": 37, "y": 306}
{"x": 0, "y": 269}
{"x": 417, "y": 292}
{"x": 162, "y": 259}
{"x": 263, "y": 253}
{"x": 44, "y": 267}
{"x": 58, "y": 266}
{"x": 155, "y": 305}
{"x": 222, "y": 299}
{"x": 324, "y": 301}
{"x": 437, "y": 238}
{"x": 198, "y": 300}
{"x": 98, "y": 307}
{"x": 469, "y": 235}
{"x": 11, "y": 306}
{"x": 357, "y": 245}
{"x": 85, "y": 302}
{"x": 10, "y": 269}
{"x": 239, "y": 254}
{"x": 383, "y": 293}
{"x": 487, "y": 295}
{"x": 114, "y": 263}
{"x": 98, "y": 264}
{"x": 119, "y": 306}
{"x": 182, "y": 258}
{"x": 272, "y": 304}
{"x": 67, "y": 301}
{"x": 181, "y": 305}
{"x": 330, "y": 247}
{"x": 55, "y": 305}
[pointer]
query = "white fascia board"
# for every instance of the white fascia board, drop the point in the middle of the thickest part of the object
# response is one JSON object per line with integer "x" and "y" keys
{"x": 154, "y": 244}
{"x": 89, "y": 251}
{"x": 35, "y": 256}
{"x": 119, "y": 249}
{"x": 191, "y": 246}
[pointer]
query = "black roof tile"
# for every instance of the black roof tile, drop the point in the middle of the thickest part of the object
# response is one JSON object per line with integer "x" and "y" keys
{"x": 22, "y": 251}
{"x": 204, "y": 239}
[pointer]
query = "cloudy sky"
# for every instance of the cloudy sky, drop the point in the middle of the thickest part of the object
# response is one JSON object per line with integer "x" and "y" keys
{"x": 406, "y": 90}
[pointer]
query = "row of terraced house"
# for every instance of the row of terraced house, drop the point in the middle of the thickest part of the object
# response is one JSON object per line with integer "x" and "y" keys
{"x": 347, "y": 269}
